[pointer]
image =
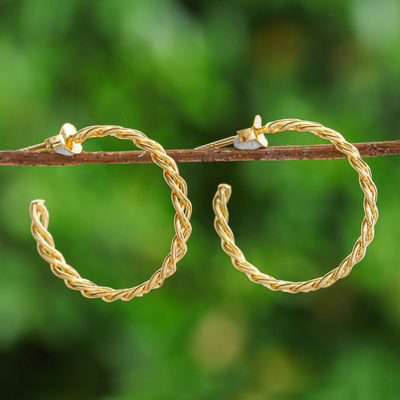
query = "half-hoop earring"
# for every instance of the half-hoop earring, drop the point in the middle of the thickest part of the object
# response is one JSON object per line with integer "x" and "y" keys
{"x": 256, "y": 136}
{"x": 68, "y": 142}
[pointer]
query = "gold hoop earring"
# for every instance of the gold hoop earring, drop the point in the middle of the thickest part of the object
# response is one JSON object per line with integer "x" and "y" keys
{"x": 367, "y": 227}
{"x": 68, "y": 142}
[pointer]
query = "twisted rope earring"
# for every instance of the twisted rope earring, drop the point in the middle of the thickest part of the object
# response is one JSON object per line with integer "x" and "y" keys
{"x": 255, "y": 137}
{"x": 68, "y": 143}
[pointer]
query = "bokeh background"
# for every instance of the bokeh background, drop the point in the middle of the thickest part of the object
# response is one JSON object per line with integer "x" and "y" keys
{"x": 187, "y": 73}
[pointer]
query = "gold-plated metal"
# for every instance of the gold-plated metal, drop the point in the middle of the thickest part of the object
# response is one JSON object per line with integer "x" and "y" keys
{"x": 217, "y": 144}
{"x": 245, "y": 135}
{"x": 180, "y": 202}
{"x": 62, "y": 143}
{"x": 36, "y": 147}
{"x": 253, "y": 133}
{"x": 367, "y": 226}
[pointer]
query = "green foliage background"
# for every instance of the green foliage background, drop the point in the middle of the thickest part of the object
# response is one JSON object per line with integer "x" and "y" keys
{"x": 187, "y": 73}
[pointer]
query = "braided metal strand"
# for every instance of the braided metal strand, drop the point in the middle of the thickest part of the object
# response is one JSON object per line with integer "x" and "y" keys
{"x": 367, "y": 226}
{"x": 183, "y": 228}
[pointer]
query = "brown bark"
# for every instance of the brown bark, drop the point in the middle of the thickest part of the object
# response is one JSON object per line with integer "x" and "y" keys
{"x": 315, "y": 152}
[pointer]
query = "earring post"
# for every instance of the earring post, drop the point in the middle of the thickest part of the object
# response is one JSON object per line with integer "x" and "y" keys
{"x": 60, "y": 143}
{"x": 219, "y": 143}
{"x": 36, "y": 147}
{"x": 252, "y": 134}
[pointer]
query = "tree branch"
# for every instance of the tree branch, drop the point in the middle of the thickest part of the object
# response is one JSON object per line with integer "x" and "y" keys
{"x": 315, "y": 152}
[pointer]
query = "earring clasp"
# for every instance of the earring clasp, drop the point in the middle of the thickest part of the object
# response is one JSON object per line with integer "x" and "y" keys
{"x": 246, "y": 139}
{"x": 62, "y": 143}
{"x": 253, "y": 133}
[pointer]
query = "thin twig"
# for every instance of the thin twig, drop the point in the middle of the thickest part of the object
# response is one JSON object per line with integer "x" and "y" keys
{"x": 315, "y": 152}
